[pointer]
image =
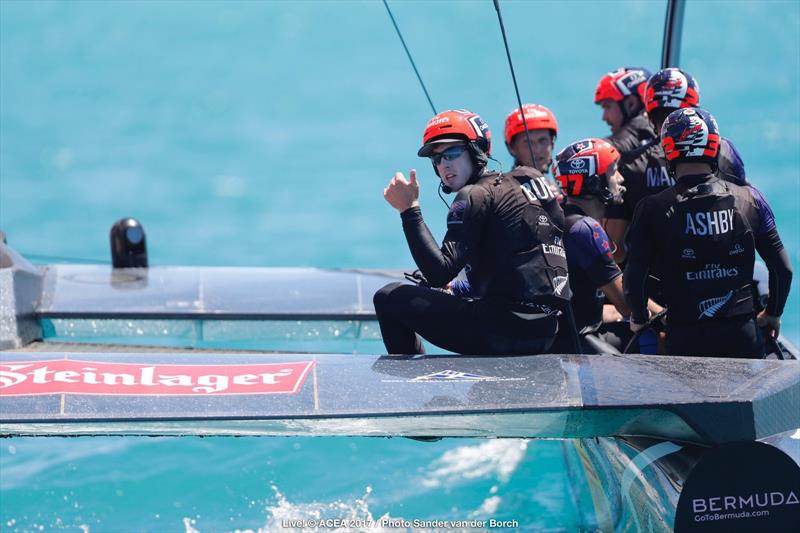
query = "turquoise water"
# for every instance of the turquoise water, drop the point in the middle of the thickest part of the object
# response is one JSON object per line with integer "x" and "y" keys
{"x": 262, "y": 133}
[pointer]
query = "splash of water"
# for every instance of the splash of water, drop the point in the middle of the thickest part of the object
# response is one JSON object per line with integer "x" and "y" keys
{"x": 288, "y": 516}
{"x": 495, "y": 457}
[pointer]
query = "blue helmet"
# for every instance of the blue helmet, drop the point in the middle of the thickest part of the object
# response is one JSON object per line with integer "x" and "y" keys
{"x": 690, "y": 135}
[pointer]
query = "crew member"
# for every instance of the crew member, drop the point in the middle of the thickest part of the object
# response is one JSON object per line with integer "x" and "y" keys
{"x": 588, "y": 175}
{"x": 543, "y": 130}
{"x": 505, "y": 230}
{"x": 621, "y": 96}
{"x": 704, "y": 233}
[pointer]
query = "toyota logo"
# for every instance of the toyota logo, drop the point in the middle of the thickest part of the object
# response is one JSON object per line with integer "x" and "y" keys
{"x": 577, "y": 163}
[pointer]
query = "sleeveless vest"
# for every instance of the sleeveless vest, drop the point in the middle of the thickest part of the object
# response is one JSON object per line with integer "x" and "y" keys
{"x": 533, "y": 271}
{"x": 710, "y": 253}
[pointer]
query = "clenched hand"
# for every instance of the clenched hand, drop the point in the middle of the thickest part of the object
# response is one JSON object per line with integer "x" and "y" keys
{"x": 402, "y": 194}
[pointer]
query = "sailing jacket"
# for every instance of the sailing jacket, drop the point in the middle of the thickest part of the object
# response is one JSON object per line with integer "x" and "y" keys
{"x": 642, "y": 163}
{"x": 505, "y": 231}
{"x": 591, "y": 266}
{"x": 703, "y": 234}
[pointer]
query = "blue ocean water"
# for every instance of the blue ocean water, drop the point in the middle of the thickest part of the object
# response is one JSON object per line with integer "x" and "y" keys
{"x": 263, "y": 133}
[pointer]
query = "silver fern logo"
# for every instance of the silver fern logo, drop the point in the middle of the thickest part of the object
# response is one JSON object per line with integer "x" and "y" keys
{"x": 559, "y": 282}
{"x": 709, "y": 308}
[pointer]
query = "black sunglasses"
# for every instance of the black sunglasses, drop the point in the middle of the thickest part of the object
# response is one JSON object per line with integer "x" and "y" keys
{"x": 452, "y": 153}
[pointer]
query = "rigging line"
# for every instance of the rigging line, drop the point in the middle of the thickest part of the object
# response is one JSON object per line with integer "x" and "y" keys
{"x": 433, "y": 108}
{"x": 570, "y": 315}
{"x": 514, "y": 78}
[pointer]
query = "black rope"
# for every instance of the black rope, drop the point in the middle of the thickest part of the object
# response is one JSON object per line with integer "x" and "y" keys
{"x": 433, "y": 108}
{"x": 655, "y": 319}
{"x": 514, "y": 78}
{"x": 568, "y": 308}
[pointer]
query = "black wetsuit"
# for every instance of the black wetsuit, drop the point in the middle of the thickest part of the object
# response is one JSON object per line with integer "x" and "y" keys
{"x": 642, "y": 163}
{"x": 704, "y": 233}
{"x": 506, "y": 232}
{"x": 644, "y": 167}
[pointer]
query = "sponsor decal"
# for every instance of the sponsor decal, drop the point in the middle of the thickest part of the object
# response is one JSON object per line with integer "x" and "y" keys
{"x": 579, "y": 165}
{"x": 454, "y": 375}
{"x": 709, "y": 222}
{"x": 627, "y": 83}
{"x": 532, "y": 112}
{"x": 436, "y": 121}
{"x": 543, "y": 220}
{"x": 708, "y": 308}
{"x": 743, "y": 502}
{"x": 554, "y": 250}
{"x": 688, "y": 253}
{"x": 738, "y": 249}
{"x": 712, "y": 271}
{"x": 479, "y": 125}
{"x": 740, "y": 487}
{"x": 450, "y": 375}
{"x": 64, "y": 376}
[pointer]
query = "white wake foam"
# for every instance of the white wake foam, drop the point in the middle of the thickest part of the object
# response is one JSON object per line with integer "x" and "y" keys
{"x": 498, "y": 458}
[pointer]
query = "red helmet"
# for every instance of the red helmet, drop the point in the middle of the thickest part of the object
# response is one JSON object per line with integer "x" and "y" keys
{"x": 671, "y": 88}
{"x": 458, "y": 124}
{"x": 621, "y": 83}
{"x": 690, "y": 135}
{"x": 582, "y": 168}
{"x": 536, "y": 117}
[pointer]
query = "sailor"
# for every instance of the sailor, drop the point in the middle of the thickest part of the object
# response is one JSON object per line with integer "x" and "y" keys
{"x": 505, "y": 230}
{"x": 588, "y": 174}
{"x": 621, "y": 96}
{"x": 704, "y": 233}
{"x": 543, "y": 130}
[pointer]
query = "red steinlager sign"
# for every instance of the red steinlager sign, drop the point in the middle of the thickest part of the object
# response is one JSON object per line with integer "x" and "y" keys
{"x": 62, "y": 376}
